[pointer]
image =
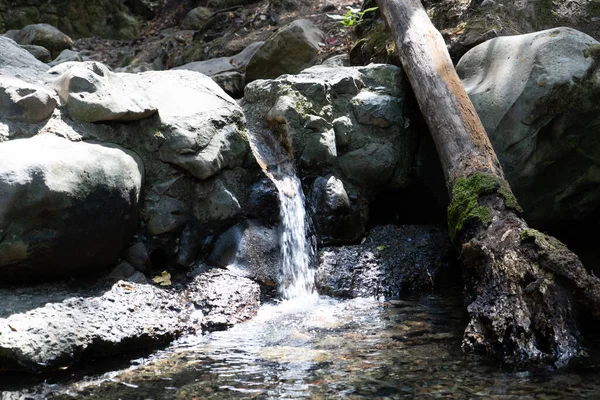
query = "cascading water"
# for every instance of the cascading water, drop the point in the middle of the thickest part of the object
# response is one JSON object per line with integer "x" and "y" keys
{"x": 297, "y": 278}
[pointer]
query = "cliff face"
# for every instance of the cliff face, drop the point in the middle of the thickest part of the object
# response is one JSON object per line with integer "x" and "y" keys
{"x": 105, "y": 18}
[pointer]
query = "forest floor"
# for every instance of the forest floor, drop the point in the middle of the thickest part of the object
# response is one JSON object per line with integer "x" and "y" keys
{"x": 229, "y": 32}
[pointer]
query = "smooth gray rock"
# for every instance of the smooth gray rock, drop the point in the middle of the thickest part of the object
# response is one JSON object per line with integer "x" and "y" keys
{"x": 202, "y": 127}
{"x": 93, "y": 93}
{"x": 370, "y": 166}
{"x": 44, "y": 35}
{"x": 380, "y": 110}
{"x": 137, "y": 256}
{"x": 66, "y": 55}
{"x": 196, "y": 18}
{"x": 249, "y": 249}
{"x": 227, "y": 72}
{"x": 290, "y": 50}
{"x": 65, "y": 208}
{"x": 538, "y": 96}
{"x": 39, "y": 52}
{"x": 25, "y": 102}
{"x": 393, "y": 261}
{"x": 168, "y": 215}
{"x": 18, "y": 62}
{"x": 45, "y": 335}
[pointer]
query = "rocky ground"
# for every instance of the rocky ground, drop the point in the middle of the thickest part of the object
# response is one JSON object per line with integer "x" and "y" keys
{"x": 165, "y": 43}
{"x": 52, "y": 327}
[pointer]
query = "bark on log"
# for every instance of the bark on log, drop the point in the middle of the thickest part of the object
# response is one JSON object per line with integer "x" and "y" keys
{"x": 523, "y": 289}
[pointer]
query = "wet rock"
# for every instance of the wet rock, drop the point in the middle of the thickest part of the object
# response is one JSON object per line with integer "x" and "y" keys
{"x": 18, "y": 62}
{"x": 291, "y": 49}
{"x": 67, "y": 208}
{"x": 263, "y": 201}
{"x": 226, "y": 298}
{"x": 39, "y": 52}
{"x": 392, "y": 261}
{"x": 22, "y": 101}
{"x": 93, "y": 93}
{"x": 44, "y": 35}
{"x": 249, "y": 249}
{"x": 335, "y": 217}
{"x": 43, "y": 334}
{"x": 538, "y": 98}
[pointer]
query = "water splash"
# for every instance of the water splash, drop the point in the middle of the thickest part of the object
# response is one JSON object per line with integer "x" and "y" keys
{"x": 297, "y": 278}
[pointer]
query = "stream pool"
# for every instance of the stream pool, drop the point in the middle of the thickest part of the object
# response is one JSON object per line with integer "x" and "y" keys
{"x": 321, "y": 348}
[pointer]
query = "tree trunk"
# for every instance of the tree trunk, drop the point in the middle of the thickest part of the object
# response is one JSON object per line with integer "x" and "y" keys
{"x": 524, "y": 289}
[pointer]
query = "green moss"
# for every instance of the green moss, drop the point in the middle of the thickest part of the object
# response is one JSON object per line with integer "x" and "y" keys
{"x": 543, "y": 241}
{"x": 465, "y": 208}
{"x": 593, "y": 51}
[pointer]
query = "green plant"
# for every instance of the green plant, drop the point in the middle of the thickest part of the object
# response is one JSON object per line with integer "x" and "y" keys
{"x": 352, "y": 17}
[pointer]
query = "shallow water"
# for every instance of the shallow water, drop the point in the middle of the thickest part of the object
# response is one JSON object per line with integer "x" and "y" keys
{"x": 323, "y": 348}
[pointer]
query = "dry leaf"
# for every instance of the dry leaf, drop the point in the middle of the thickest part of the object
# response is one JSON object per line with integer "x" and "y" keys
{"x": 164, "y": 279}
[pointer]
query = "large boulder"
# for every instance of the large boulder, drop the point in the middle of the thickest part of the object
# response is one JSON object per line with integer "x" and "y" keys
{"x": 291, "y": 49}
{"x": 65, "y": 208}
{"x": 93, "y": 93}
{"x": 18, "y": 62}
{"x": 203, "y": 128}
{"x": 44, "y": 35}
{"x": 538, "y": 96}
{"x": 195, "y": 152}
{"x": 349, "y": 132}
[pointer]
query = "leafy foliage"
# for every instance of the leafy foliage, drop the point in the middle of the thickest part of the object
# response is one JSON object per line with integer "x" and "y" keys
{"x": 352, "y": 17}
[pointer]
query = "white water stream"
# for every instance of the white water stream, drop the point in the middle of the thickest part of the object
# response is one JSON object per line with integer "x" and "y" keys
{"x": 297, "y": 278}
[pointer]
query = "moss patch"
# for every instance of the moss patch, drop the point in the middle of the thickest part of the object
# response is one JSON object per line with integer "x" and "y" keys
{"x": 593, "y": 51}
{"x": 465, "y": 208}
{"x": 543, "y": 241}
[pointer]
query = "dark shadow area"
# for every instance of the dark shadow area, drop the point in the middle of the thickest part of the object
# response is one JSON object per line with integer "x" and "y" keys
{"x": 414, "y": 205}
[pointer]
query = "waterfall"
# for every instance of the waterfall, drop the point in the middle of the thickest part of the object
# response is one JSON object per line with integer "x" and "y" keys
{"x": 296, "y": 278}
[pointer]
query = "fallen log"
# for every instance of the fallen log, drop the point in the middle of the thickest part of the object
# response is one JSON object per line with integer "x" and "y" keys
{"x": 524, "y": 290}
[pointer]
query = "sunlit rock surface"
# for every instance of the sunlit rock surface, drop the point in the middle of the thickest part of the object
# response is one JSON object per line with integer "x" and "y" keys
{"x": 65, "y": 208}
{"x": 48, "y": 327}
{"x": 346, "y": 122}
{"x": 538, "y": 96}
